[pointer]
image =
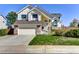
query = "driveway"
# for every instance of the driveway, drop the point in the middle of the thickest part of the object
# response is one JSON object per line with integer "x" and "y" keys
{"x": 14, "y": 43}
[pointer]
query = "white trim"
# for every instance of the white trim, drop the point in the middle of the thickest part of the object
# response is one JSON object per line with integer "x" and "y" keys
{"x": 22, "y": 9}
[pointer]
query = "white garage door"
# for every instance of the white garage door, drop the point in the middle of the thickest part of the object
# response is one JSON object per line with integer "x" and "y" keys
{"x": 26, "y": 31}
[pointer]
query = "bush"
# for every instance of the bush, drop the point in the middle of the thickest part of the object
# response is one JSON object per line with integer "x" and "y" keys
{"x": 3, "y": 32}
{"x": 72, "y": 33}
{"x": 58, "y": 32}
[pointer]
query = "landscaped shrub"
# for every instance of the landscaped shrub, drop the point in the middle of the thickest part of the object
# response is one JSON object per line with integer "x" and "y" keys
{"x": 72, "y": 33}
{"x": 58, "y": 32}
{"x": 3, "y": 32}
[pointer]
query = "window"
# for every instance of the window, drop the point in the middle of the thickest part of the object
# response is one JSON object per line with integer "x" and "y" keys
{"x": 24, "y": 16}
{"x": 38, "y": 26}
{"x": 46, "y": 21}
{"x": 35, "y": 16}
{"x": 59, "y": 17}
{"x": 55, "y": 23}
{"x": 15, "y": 25}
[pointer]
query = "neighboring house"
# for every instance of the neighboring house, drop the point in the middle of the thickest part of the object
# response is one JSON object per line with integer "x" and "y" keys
{"x": 3, "y": 24}
{"x": 35, "y": 20}
{"x": 74, "y": 23}
{"x": 56, "y": 22}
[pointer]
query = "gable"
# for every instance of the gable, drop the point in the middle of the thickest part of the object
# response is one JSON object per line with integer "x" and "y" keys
{"x": 41, "y": 12}
{"x": 43, "y": 17}
{"x": 25, "y": 9}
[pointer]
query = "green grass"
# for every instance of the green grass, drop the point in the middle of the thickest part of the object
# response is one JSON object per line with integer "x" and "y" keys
{"x": 54, "y": 40}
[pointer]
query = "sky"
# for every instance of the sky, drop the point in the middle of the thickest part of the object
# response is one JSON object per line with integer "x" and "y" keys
{"x": 68, "y": 11}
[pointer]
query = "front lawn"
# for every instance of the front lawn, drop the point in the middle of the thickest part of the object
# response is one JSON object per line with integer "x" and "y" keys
{"x": 54, "y": 40}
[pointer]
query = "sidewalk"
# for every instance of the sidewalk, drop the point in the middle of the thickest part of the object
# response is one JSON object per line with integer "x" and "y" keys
{"x": 39, "y": 49}
{"x": 52, "y": 49}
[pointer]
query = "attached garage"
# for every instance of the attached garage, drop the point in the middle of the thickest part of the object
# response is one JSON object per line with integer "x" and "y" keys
{"x": 23, "y": 27}
{"x": 26, "y": 32}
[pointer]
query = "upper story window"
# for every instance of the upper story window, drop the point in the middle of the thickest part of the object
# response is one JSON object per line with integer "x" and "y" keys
{"x": 24, "y": 16}
{"x": 35, "y": 15}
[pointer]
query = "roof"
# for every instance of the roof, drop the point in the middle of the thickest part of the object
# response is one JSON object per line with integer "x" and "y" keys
{"x": 27, "y": 22}
{"x": 37, "y": 8}
{"x": 43, "y": 11}
{"x": 56, "y": 15}
{"x": 29, "y": 6}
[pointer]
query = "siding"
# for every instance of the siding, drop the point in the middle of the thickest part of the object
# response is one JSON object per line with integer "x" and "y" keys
{"x": 2, "y": 23}
{"x": 23, "y": 12}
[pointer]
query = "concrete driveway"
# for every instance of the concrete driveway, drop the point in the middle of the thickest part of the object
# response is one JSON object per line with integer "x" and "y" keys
{"x": 14, "y": 43}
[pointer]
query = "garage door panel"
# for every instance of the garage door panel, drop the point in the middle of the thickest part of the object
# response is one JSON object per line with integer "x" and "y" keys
{"x": 26, "y": 31}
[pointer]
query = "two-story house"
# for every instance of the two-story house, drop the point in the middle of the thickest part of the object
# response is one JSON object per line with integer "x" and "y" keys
{"x": 35, "y": 20}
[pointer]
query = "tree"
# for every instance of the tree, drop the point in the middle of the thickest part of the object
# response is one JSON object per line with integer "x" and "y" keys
{"x": 11, "y": 17}
{"x": 74, "y": 23}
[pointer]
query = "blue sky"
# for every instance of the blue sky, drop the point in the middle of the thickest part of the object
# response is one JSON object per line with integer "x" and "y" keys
{"x": 68, "y": 11}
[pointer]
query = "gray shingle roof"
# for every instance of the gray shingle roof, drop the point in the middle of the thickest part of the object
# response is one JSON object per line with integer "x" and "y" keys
{"x": 56, "y": 15}
{"x": 44, "y": 11}
{"x": 27, "y": 22}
